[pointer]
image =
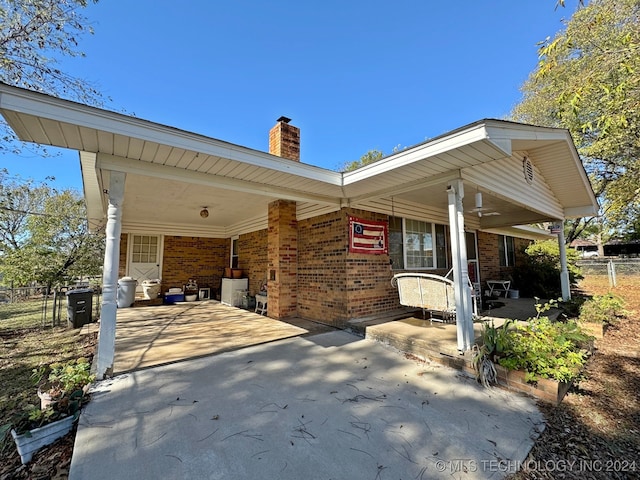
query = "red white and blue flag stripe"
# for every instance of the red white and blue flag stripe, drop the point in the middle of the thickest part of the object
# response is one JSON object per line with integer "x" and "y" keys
{"x": 367, "y": 236}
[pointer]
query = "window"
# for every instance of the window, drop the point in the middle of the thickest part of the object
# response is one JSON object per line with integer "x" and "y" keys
{"x": 395, "y": 243}
{"x": 507, "y": 251}
{"x": 416, "y": 245}
{"x": 145, "y": 249}
{"x": 234, "y": 252}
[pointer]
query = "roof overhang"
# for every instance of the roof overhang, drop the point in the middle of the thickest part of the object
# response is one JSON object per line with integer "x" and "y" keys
{"x": 172, "y": 174}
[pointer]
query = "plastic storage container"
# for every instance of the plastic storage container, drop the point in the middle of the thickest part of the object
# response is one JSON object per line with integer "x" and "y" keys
{"x": 79, "y": 306}
{"x": 173, "y": 295}
{"x": 126, "y": 292}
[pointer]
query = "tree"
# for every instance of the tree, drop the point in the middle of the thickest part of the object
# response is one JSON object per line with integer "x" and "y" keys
{"x": 16, "y": 200}
{"x": 44, "y": 235}
{"x": 34, "y": 36}
{"x": 588, "y": 81}
{"x": 370, "y": 157}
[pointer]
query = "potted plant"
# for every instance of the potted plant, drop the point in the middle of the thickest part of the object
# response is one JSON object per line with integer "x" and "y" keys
{"x": 62, "y": 388}
{"x": 59, "y": 381}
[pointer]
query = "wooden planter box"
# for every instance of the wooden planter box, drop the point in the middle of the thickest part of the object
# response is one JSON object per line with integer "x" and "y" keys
{"x": 594, "y": 329}
{"x": 28, "y": 443}
{"x": 545, "y": 389}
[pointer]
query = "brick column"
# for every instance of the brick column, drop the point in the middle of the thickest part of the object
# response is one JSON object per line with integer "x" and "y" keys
{"x": 282, "y": 259}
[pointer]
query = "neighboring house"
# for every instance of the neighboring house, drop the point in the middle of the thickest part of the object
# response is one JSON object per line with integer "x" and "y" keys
{"x": 586, "y": 248}
{"x": 458, "y": 202}
{"x": 622, "y": 248}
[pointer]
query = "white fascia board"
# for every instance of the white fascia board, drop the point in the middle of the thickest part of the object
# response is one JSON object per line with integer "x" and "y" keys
{"x": 428, "y": 149}
{"x": 583, "y": 176}
{"x": 585, "y": 211}
{"x": 505, "y": 130}
{"x": 45, "y": 106}
{"x": 136, "y": 167}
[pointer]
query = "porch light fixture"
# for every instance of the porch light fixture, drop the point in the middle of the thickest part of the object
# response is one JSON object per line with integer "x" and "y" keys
{"x": 204, "y": 213}
{"x": 479, "y": 200}
{"x": 478, "y": 208}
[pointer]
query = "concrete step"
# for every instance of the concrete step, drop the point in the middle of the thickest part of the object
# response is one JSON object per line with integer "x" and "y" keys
{"x": 147, "y": 302}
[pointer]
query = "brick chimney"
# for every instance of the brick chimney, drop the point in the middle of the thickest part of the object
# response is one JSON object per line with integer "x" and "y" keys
{"x": 284, "y": 140}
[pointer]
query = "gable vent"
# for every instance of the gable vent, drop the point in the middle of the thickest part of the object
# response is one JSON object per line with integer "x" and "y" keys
{"x": 527, "y": 168}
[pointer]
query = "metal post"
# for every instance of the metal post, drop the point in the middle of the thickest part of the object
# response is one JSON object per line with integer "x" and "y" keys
{"x": 611, "y": 271}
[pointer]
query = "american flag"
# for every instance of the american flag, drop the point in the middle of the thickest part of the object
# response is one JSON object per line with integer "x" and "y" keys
{"x": 367, "y": 236}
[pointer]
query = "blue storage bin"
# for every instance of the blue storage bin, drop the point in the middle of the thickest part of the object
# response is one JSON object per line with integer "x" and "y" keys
{"x": 173, "y": 297}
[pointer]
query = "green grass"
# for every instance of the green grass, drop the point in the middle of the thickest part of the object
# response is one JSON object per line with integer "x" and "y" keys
{"x": 20, "y": 315}
{"x": 26, "y": 344}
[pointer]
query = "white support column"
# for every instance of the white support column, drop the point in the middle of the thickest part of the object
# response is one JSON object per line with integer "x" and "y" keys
{"x": 464, "y": 320}
{"x": 465, "y": 283}
{"x": 107, "y": 333}
{"x": 564, "y": 271}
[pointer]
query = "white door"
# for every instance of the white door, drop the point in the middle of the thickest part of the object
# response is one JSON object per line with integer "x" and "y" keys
{"x": 144, "y": 258}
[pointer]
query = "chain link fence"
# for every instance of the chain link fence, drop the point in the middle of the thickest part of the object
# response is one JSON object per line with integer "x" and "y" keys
{"x": 611, "y": 267}
{"x": 602, "y": 266}
{"x": 39, "y": 305}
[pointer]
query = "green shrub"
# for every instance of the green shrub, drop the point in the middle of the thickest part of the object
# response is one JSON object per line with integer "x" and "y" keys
{"x": 602, "y": 309}
{"x": 546, "y": 349}
{"x": 538, "y": 274}
{"x": 571, "y": 308}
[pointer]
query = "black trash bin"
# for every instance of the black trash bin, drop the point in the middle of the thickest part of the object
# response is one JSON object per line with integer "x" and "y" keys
{"x": 79, "y": 306}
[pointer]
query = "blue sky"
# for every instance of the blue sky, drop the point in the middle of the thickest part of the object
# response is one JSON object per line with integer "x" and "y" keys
{"x": 354, "y": 75}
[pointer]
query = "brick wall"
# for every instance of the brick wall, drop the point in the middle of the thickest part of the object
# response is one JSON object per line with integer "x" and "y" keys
{"x": 489, "y": 259}
{"x": 369, "y": 289}
{"x": 334, "y": 285}
{"x": 202, "y": 259}
{"x": 122, "y": 265}
{"x": 322, "y": 291}
{"x": 252, "y": 258}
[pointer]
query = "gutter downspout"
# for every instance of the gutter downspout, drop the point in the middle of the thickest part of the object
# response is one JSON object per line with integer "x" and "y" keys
{"x": 107, "y": 332}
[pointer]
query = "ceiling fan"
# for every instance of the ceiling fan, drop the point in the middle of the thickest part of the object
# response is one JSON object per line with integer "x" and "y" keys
{"x": 480, "y": 210}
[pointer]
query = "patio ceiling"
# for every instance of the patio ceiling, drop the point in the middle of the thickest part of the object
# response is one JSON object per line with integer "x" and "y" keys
{"x": 173, "y": 174}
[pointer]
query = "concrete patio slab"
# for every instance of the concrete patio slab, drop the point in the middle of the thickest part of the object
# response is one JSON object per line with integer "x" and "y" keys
{"x": 151, "y": 336}
{"x": 331, "y": 405}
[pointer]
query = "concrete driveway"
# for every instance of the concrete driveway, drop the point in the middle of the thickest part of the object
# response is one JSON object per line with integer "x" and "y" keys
{"x": 332, "y": 405}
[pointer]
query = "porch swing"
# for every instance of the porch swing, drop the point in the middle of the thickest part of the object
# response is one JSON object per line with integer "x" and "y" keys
{"x": 432, "y": 293}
